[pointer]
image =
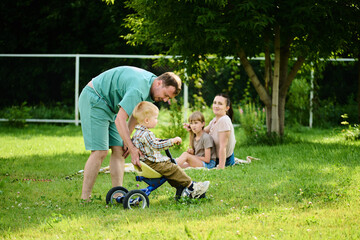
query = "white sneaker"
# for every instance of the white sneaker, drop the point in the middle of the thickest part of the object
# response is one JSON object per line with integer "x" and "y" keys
{"x": 199, "y": 189}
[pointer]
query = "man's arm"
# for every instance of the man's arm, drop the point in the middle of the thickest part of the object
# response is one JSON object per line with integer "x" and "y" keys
{"x": 124, "y": 132}
{"x": 131, "y": 124}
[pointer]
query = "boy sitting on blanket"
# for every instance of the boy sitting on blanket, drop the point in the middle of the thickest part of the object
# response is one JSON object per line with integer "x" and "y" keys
{"x": 146, "y": 115}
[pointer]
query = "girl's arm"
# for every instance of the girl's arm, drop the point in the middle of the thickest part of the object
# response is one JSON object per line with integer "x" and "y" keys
{"x": 223, "y": 140}
{"x": 207, "y": 156}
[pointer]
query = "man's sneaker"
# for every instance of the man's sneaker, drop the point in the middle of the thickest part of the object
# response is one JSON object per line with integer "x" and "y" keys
{"x": 199, "y": 189}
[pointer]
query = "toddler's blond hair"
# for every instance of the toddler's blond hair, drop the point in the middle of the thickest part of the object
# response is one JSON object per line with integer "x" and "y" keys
{"x": 144, "y": 110}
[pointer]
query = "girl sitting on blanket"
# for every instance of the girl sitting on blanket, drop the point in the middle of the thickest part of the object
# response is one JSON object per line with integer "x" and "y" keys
{"x": 202, "y": 152}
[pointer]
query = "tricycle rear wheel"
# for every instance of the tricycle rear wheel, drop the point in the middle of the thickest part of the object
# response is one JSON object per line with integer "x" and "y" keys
{"x": 116, "y": 195}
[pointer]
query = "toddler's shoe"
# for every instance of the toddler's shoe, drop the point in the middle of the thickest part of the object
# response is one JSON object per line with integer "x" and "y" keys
{"x": 199, "y": 189}
{"x": 181, "y": 192}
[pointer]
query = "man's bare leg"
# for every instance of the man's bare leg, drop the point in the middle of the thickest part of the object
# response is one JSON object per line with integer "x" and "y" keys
{"x": 91, "y": 171}
{"x": 117, "y": 166}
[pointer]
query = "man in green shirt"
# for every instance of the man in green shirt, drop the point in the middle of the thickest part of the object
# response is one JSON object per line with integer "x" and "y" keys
{"x": 105, "y": 105}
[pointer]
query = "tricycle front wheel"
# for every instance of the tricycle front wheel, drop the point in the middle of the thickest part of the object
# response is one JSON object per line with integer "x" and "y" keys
{"x": 136, "y": 199}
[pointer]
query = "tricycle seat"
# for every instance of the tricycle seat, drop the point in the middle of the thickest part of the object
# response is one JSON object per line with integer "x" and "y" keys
{"x": 146, "y": 171}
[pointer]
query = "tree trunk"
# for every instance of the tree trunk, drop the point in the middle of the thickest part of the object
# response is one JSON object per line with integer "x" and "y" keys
{"x": 268, "y": 119}
{"x": 260, "y": 89}
{"x": 267, "y": 78}
{"x": 284, "y": 64}
{"x": 282, "y": 89}
{"x": 275, "y": 87}
{"x": 358, "y": 94}
{"x": 264, "y": 96}
{"x": 285, "y": 87}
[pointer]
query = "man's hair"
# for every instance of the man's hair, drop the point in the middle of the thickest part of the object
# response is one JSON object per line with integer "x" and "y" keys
{"x": 144, "y": 110}
{"x": 171, "y": 79}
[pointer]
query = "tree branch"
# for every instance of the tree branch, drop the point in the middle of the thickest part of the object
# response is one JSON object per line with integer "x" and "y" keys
{"x": 299, "y": 62}
{"x": 260, "y": 89}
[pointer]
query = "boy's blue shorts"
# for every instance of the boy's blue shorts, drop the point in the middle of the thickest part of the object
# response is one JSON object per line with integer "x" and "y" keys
{"x": 97, "y": 122}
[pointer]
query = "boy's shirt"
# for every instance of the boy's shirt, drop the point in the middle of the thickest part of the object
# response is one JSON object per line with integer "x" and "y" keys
{"x": 149, "y": 145}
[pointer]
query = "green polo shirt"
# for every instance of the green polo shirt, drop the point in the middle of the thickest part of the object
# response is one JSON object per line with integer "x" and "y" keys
{"x": 124, "y": 87}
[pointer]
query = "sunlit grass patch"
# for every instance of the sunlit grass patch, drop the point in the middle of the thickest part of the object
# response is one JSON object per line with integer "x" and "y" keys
{"x": 307, "y": 189}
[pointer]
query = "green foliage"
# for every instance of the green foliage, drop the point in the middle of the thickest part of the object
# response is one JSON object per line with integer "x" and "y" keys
{"x": 352, "y": 132}
{"x": 298, "y": 104}
{"x": 337, "y": 81}
{"x": 327, "y": 112}
{"x": 17, "y": 115}
{"x": 67, "y": 27}
{"x": 173, "y": 127}
{"x": 252, "y": 120}
{"x": 194, "y": 29}
{"x": 109, "y": 2}
{"x": 56, "y": 111}
{"x": 271, "y": 139}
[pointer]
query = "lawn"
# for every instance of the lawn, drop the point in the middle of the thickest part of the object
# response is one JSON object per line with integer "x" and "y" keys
{"x": 306, "y": 189}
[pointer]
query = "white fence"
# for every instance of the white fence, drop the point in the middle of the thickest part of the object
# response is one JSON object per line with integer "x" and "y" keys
{"x": 77, "y": 75}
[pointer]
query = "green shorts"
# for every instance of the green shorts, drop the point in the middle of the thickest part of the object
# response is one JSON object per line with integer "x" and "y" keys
{"x": 97, "y": 122}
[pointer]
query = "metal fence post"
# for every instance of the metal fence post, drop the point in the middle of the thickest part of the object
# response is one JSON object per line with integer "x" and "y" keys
{"x": 311, "y": 95}
{"x": 77, "y": 73}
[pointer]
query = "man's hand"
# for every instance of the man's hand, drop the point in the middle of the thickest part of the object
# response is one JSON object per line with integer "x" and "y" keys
{"x": 176, "y": 140}
{"x": 125, "y": 151}
{"x": 135, "y": 156}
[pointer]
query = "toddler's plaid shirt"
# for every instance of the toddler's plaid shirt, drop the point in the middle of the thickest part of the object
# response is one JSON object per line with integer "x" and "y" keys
{"x": 149, "y": 145}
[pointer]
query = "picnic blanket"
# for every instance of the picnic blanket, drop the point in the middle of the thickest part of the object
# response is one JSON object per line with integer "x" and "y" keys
{"x": 129, "y": 167}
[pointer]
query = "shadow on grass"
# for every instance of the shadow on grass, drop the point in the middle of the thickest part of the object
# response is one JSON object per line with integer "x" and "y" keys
{"x": 35, "y": 129}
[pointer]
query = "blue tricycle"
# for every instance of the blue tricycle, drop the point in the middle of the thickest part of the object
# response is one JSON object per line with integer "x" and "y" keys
{"x": 139, "y": 198}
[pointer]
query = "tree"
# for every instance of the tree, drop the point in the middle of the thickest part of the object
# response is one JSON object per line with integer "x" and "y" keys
{"x": 281, "y": 29}
{"x": 69, "y": 26}
{"x": 351, "y": 44}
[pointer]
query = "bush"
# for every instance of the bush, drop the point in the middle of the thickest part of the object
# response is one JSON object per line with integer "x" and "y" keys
{"x": 17, "y": 115}
{"x": 56, "y": 111}
{"x": 252, "y": 120}
{"x": 327, "y": 113}
{"x": 297, "y": 105}
{"x": 175, "y": 120}
{"x": 352, "y": 132}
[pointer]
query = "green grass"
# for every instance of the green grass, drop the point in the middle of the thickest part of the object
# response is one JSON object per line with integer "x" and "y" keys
{"x": 305, "y": 189}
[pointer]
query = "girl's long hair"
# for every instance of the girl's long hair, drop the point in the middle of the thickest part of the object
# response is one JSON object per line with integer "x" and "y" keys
{"x": 195, "y": 116}
{"x": 229, "y": 112}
